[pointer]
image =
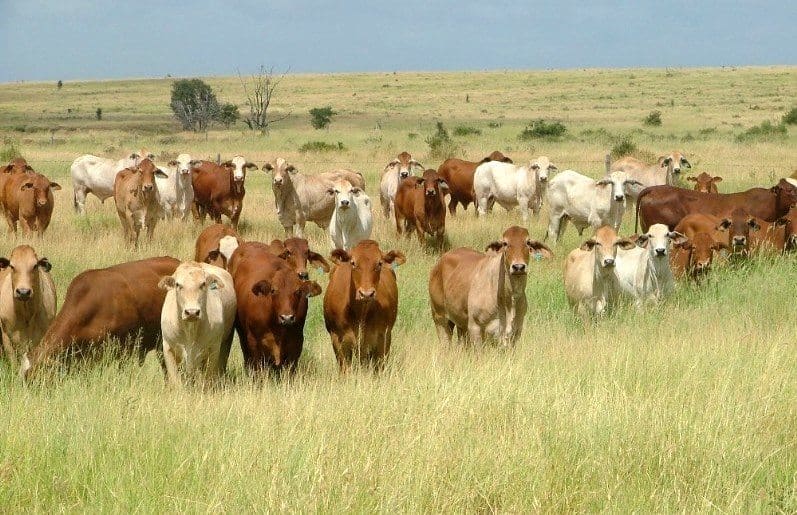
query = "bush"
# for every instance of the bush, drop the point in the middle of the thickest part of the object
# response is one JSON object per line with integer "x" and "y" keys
{"x": 321, "y": 117}
{"x": 790, "y": 118}
{"x": 98, "y": 113}
{"x": 321, "y": 146}
{"x": 767, "y": 131}
{"x": 228, "y": 115}
{"x": 10, "y": 151}
{"x": 653, "y": 119}
{"x": 441, "y": 146}
{"x": 464, "y": 130}
{"x": 543, "y": 129}
{"x": 625, "y": 146}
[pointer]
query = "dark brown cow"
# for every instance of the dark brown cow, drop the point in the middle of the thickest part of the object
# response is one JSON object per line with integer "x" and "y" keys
{"x": 107, "y": 309}
{"x": 272, "y": 308}
{"x": 669, "y": 204}
{"x": 28, "y": 199}
{"x": 296, "y": 251}
{"x": 135, "y": 194}
{"x": 459, "y": 176}
{"x": 361, "y": 303}
{"x": 705, "y": 183}
{"x": 420, "y": 203}
{"x": 217, "y": 191}
{"x": 210, "y": 248}
{"x": 693, "y": 257}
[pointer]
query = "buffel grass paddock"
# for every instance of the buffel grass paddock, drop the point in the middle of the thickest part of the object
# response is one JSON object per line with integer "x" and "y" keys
{"x": 689, "y": 406}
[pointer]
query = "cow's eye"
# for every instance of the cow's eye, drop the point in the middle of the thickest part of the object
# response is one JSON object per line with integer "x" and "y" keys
{"x": 379, "y": 266}
{"x": 178, "y": 286}
{"x": 353, "y": 265}
{"x": 202, "y": 286}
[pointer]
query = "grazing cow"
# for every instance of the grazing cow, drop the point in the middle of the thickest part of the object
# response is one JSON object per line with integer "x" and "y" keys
{"x": 693, "y": 257}
{"x": 28, "y": 199}
{"x": 296, "y": 251}
{"x": 512, "y": 185}
{"x": 303, "y": 198}
{"x": 137, "y": 200}
{"x": 458, "y": 174}
{"x": 361, "y": 303}
{"x": 665, "y": 171}
{"x": 92, "y": 174}
{"x": 586, "y": 202}
{"x": 197, "y": 321}
{"x": 27, "y": 300}
{"x": 591, "y": 282}
{"x": 705, "y": 183}
{"x": 109, "y": 309}
{"x": 484, "y": 294}
{"x": 396, "y": 170}
{"x": 272, "y": 308}
{"x": 15, "y": 166}
{"x": 176, "y": 192}
{"x": 420, "y": 203}
{"x": 219, "y": 189}
{"x": 669, "y": 205}
{"x": 351, "y": 220}
{"x": 643, "y": 272}
{"x": 215, "y": 245}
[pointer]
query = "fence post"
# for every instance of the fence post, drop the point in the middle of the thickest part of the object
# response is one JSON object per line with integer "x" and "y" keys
{"x": 218, "y": 159}
{"x": 608, "y": 162}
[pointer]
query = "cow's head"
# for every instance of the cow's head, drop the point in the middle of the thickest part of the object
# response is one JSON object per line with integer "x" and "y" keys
{"x": 239, "y": 166}
{"x": 657, "y": 240}
{"x": 191, "y": 283}
{"x": 296, "y": 251}
{"x": 287, "y": 293}
{"x": 404, "y": 165}
{"x": 705, "y": 183}
{"x": 542, "y": 166}
{"x": 147, "y": 172}
{"x": 700, "y": 250}
{"x": 25, "y": 268}
{"x": 496, "y": 156}
{"x": 345, "y": 194}
{"x": 221, "y": 256}
{"x": 786, "y": 194}
{"x": 604, "y": 245}
{"x": 17, "y": 165}
{"x": 516, "y": 245}
{"x": 366, "y": 261}
{"x": 280, "y": 171}
{"x": 619, "y": 183}
{"x": 738, "y": 226}
{"x": 675, "y": 160}
{"x": 183, "y": 164}
{"x": 41, "y": 188}
{"x": 137, "y": 157}
{"x": 433, "y": 185}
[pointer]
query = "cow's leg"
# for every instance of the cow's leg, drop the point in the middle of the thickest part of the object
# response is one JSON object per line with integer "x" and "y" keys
{"x": 419, "y": 232}
{"x": 475, "y": 333}
{"x": 554, "y": 225}
{"x": 386, "y": 206}
{"x": 79, "y": 200}
{"x": 523, "y": 204}
{"x": 224, "y": 352}
{"x": 12, "y": 224}
{"x": 26, "y": 226}
{"x": 445, "y": 329}
{"x": 343, "y": 351}
{"x": 399, "y": 222}
{"x": 452, "y": 205}
{"x": 172, "y": 360}
{"x": 8, "y": 348}
{"x": 481, "y": 206}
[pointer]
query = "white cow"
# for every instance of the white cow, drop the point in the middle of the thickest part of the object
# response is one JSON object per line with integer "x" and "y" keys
{"x": 92, "y": 174}
{"x": 586, "y": 202}
{"x": 511, "y": 185}
{"x": 351, "y": 220}
{"x": 644, "y": 272}
{"x": 176, "y": 191}
{"x": 543, "y": 168}
{"x": 197, "y": 321}
{"x": 396, "y": 170}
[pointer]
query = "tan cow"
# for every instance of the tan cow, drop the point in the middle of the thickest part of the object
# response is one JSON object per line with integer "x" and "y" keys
{"x": 395, "y": 171}
{"x": 665, "y": 171}
{"x": 27, "y": 300}
{"x": 484, "y": 294}
{"x": 136, "y": 198}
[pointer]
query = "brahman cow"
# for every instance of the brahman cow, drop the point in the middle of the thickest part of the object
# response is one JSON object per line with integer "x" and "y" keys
{"x": 137, "y": 200}
{"x": 351, "y": 221}
{"x": 197, "y": 321}
{"x": 16, "y": 166}
{"x": 693, "y": 257}
{"x": 215, "y": 245}
{"x": 420, "y": 203}
{"x": 705, "y": 183}
{"x": 458, "y": 174}
{"x": 734, "y": 230}
{"x": 109, "y": 309}
{"x": 361, "y": 303}
{"x": 484, "y": 294}
{"x": 92, "y": 174}
{"x": 512, "y": 185}
{"x": 27, "y": 300}
{"x": 176, "y": 192}
{"x": 643, "y": 272}
{"x": 396, "y": 170}
{"x": 219, "y": 189}
{"x": 665, "y": 171}
{"x": 586, "y": 202}
{"x": 28, "y": 199}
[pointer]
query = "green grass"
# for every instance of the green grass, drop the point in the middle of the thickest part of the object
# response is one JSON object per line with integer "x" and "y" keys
{"x": 688, "y": 406}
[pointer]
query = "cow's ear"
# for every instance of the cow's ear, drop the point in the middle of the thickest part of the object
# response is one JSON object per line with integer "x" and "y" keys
{"x": 292, "y": 169}
{"x": 686, "y": 245}
{"x": 250, "y": 166}
{"x": 227, "y": 164}
{"x": 724, "y": 224}
{"x": 495, "y": 246}
{"x": 588, "y": 245}
{"x": 603, "y": 182}
{"x": 214, "y": 283}
{"x": 394, "y": 257}
{"x": 7, "y": 169}
{"x": 626, "y": 244}
{"x": 716, "y": 179}
{"x": 677, "y": 238}
{"x": 26, "y": 186}
{"x": 310, "y": 289}
{"x": 194, "y": 163}
{"x": 640, "y": 240}
{"x": 665, "y": 161}
{"x": 173, "y": 162}
{"x": 419, "y": 181}
{"x": 318, "y": 260}
{"x": 4, "y": 263}
{"x": 213, "y": 255}
{"x": 285, "y": 254}
{"x": 552, "y": 168}
{"x": 507, "y": 160}
{"x": 782, "y": 221}
{"x": 443, "y": 184}
{"x": 261, "y": 288}
{"x": 535, "y": 166}
{"x": 540, "y": 248}
{"x": 331, "y": 191}
{"x": 166, "y": 283}
{"x": 44, "y": 263}
{"x": 339, "y": 256}
{"x": 753, "y": 224}
{"x": 686, "y": 163}
{"x": 692, "y": 178}
{"x": 268, "y": 167}
{"x": 415, "y": 163}
{"x": 55, "y": 186}
{"x": 160, "y": 173}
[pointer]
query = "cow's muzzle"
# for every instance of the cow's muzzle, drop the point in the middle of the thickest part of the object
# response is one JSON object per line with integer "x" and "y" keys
{"x": 287, "y": 319}
{"x": 191, "y": 314}
{"x": 608, "y": 262}
{"x": 404, "y": 175}
{"x": 619, "y": 198}
{"x": 366, "y": 294}
{"x": 660, "y": 252}
{"x": 431, "y": 192}
{"x": 23, "y": 293}
{"x": 304, "y": 276}
{"x": 518, "y": 268}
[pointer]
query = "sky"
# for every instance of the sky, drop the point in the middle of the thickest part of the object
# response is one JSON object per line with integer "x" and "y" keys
{"x": 97, "y": 39}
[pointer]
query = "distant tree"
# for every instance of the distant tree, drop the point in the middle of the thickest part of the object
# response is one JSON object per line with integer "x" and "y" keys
{"x": 194, "y": 104}
{"x": 259, "y": 90}
{"x": 60, "y": 84}
{"x": 98, "y": 113}
{"x": 321, "y": 117}
{"x": 228, "y": 115}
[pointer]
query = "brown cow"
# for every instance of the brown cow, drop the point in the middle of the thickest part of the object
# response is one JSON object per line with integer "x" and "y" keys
{"x": 107, "y": 309}
{"x": 15, "y": 166}
{"x": 272, "y": 308}
{"x": 705, "y": 183}
{"x": 459, "y": 176}
{"x": 215, "y": 245}
{"x": 420, "y": 203}
{"x": 219, "y": 189}
{"x": 734, "y": 230}
{"x": 693, "y": 257}
{"x": 778, "y": 236}
{"x": 28, "y": 198}
{"x": 361, "y": 303}
{"x": 135, "y": 194}
{"x": 669, "y": 205}
{"x": 296, "y": 251}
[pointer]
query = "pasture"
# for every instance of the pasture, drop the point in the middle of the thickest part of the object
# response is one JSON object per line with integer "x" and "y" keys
{"x": 687, "y": 406}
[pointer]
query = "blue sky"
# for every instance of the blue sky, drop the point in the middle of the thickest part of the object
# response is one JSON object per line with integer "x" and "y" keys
{"x": 83, "y": 39}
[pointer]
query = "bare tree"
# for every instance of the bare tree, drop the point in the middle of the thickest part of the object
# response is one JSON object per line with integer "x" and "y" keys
{"x": 259, "y": 90}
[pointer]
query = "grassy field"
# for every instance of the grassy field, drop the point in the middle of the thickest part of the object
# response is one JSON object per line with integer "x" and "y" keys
{"x": 688, "y": 406}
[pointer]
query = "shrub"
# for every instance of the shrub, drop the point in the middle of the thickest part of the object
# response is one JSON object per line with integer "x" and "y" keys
{"x": 464, "y": 130}
{"x": 494, "y": 125}
{"x": 790, "y": 118}
{"x": 60, "y": 84}
{"x": 321, "y": 146}
{"x": 98, "y": 113}
{"x": 10, "y": 151}
{"x": 321, "y": 117}
{"x": 543, "y": 129}
{"x": 653, "y": 119}
{"x": 624, "y": 146}
{"x": 228, "y": 115}
{"x": 441, "y": 146}
{"x": 767, "y": 131}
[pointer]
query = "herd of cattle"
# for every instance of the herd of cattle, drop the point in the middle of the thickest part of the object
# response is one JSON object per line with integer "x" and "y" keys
{"x": 261, "y": 290}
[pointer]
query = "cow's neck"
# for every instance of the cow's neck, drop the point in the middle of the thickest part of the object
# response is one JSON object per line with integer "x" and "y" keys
{"x": 236, "y": 187}
{"x": 286, "y": 196}
{"x": 507, "y": 287}
{"x": 434, "y": 208}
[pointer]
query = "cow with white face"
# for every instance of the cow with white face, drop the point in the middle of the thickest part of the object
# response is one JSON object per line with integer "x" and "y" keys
{"x": 644, "y": 272}
{"x": 395, "y": 171}
{"x": 176, "y": 190}
{"x": 239, "y": 167}
{"x": 351, "y": 220}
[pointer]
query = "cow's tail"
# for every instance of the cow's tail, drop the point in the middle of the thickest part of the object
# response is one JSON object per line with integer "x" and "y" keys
{"x": 636, "y": 210}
